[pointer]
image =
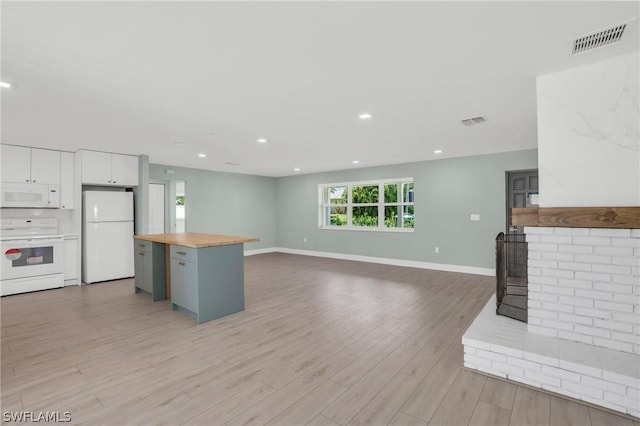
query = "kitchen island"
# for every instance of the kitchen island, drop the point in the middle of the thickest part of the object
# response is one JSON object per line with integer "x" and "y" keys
{"x": 202, "y": 274}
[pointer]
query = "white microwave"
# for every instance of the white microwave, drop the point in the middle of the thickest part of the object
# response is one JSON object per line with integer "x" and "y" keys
{"x": 30, "y": 195}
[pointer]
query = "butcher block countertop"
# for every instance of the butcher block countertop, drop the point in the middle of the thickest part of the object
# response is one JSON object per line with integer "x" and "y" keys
{"x": 195, "y": 240}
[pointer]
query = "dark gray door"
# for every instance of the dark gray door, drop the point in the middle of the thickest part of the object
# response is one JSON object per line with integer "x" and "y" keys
{"x": 522, "y": 191}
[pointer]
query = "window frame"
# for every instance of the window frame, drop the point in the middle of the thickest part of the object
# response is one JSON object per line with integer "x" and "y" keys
{"x": 324, "y": 205}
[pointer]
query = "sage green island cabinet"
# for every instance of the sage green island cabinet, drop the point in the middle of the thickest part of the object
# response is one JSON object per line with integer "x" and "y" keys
{"x": 205, "y": 272}
{"x": 149, "y": 269}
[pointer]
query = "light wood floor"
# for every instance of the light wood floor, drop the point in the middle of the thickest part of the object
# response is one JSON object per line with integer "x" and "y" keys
{"x": 321, "y": 342}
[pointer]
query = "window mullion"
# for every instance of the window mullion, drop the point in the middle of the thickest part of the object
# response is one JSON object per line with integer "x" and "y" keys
{"x": 349, "y": 207}
{"x": 381, "y": 206}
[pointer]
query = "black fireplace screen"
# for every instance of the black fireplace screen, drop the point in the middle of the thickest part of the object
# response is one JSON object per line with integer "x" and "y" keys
{"x": 511, "y": 276}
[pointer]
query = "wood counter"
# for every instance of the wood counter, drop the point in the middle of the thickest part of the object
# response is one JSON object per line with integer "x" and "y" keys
{"x": 202, "y": 274}
{"x": 195, "y": 240}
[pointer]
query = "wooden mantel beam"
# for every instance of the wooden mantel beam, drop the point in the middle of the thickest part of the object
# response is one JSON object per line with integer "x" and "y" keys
{"x": 577, "y": 217}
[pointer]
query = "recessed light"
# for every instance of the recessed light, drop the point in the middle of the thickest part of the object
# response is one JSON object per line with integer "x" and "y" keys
{"x": 262, "y": 140}
{"x": 437, "y": 151}
{"x": 356, "y": 162}
{"x": 5, "y": 85}
{"x": 365, "y": 116}
{"x": 201, "y": 155}
{"x": 297, "y": 169}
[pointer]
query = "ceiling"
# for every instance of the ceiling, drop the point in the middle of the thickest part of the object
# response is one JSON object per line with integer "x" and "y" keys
{"x": 137, "y": 77}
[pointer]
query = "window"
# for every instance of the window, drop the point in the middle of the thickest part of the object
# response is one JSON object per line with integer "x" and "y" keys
{"x": 385, "y": 205}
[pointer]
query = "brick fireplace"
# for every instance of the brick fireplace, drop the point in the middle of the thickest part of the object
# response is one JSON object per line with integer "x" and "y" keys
{"x": 583, "y": 307}
{"x": 584, "y": 285}
{"x": 582, "y": 336}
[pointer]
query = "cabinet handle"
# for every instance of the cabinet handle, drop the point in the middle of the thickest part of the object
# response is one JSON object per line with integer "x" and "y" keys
{"x": 181, "y": 253}
{"x": 27, "y": 180}
{"x": 142, "y": 245}
{"x": 114, "y": 181}
{"x": 141, "y": 254}
{"x": 181, "y": 263}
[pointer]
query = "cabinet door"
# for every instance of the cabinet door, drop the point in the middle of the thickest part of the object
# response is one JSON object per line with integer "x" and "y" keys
{"x": 144, "y": 270}
{"x": 16, "y": 163}
{"x": 45, "y": 166}
{"x": 124, "y": 170}
{"x": 184, "y": 284}
{"x": 71, "y": 259}
{"x": 66, "y": 180}
{"x": 54, "y": 196}
{"x": 96, "y": 168}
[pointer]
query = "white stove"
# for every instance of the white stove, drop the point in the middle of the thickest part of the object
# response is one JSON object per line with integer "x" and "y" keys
{"x": 32, "y": 255}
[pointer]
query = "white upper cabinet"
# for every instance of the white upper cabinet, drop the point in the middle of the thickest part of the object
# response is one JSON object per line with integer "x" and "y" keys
{"x": 30, "y": 165}
{"x": 66, "y": 180}
{"x": 124, "y": 170}
{"x": 103, "y": 168}
{"x": 16, "y": 163}
{"x": 96, "y": 167}
{"x": 45, "y": 166}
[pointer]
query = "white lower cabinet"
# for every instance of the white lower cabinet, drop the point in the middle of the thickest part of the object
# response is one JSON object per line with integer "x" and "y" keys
{"x": 71, "y": 259}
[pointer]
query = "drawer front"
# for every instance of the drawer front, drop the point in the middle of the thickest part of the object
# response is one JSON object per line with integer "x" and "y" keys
{"x": 185, "y": 253}
{"x": 143, "y": 245}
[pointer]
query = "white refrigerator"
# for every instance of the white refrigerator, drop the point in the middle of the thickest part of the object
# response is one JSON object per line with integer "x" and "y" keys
{"x": 107, "y": 235}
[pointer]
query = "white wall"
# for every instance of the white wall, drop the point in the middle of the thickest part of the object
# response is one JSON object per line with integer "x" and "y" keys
{"x": 588, "y": 136}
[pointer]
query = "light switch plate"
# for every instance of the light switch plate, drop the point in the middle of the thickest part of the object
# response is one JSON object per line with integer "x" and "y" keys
{"x": 474, "y": 217}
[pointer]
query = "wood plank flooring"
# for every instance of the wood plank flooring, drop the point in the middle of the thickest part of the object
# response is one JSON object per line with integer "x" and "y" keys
{"x": 321, "y": 342}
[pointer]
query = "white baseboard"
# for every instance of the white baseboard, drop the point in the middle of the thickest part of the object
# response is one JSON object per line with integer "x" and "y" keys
{"x": 381, "y": 260}
{"x": 260, "y": 251}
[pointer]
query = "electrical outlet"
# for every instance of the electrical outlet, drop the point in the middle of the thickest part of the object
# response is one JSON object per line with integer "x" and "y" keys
{"x": 474, "y": 217}
{"x": 304, "y": 239}
{"x": 437, "y": 250}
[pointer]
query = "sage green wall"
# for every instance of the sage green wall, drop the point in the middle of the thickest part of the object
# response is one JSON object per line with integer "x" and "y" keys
{"x": 226, "y": 203}
{"x": 283, "y": 211}
{"x": 446, "y": 192}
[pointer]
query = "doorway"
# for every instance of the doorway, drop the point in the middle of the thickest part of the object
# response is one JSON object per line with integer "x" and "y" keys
{"x": 180, "y": 207}
{"x": 156, "y": 208}
{"x": 522, "y": 191}
{"x": 167, "y": 207}
{"x": 511, "y": 247}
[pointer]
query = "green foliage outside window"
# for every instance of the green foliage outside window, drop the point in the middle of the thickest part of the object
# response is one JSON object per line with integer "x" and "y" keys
{"x": 365, "y": 203}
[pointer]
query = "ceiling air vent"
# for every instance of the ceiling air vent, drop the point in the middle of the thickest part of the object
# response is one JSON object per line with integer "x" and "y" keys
{"x": 601, "y": 38}
{"x": 473, "y": 120}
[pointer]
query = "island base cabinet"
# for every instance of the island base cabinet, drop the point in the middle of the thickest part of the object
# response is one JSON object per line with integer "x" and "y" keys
{"x": 184, "y": 285}
{"x": 208, "y": 281}
{"x": 143, "y": 271}
{"x": 149, "y": 269}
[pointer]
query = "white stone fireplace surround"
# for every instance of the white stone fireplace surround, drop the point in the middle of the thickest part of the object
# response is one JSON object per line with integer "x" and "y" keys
{"x": 582, "y": 339}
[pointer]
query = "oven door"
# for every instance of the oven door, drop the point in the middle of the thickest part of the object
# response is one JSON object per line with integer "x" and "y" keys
{"x": 31, "y": 257}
